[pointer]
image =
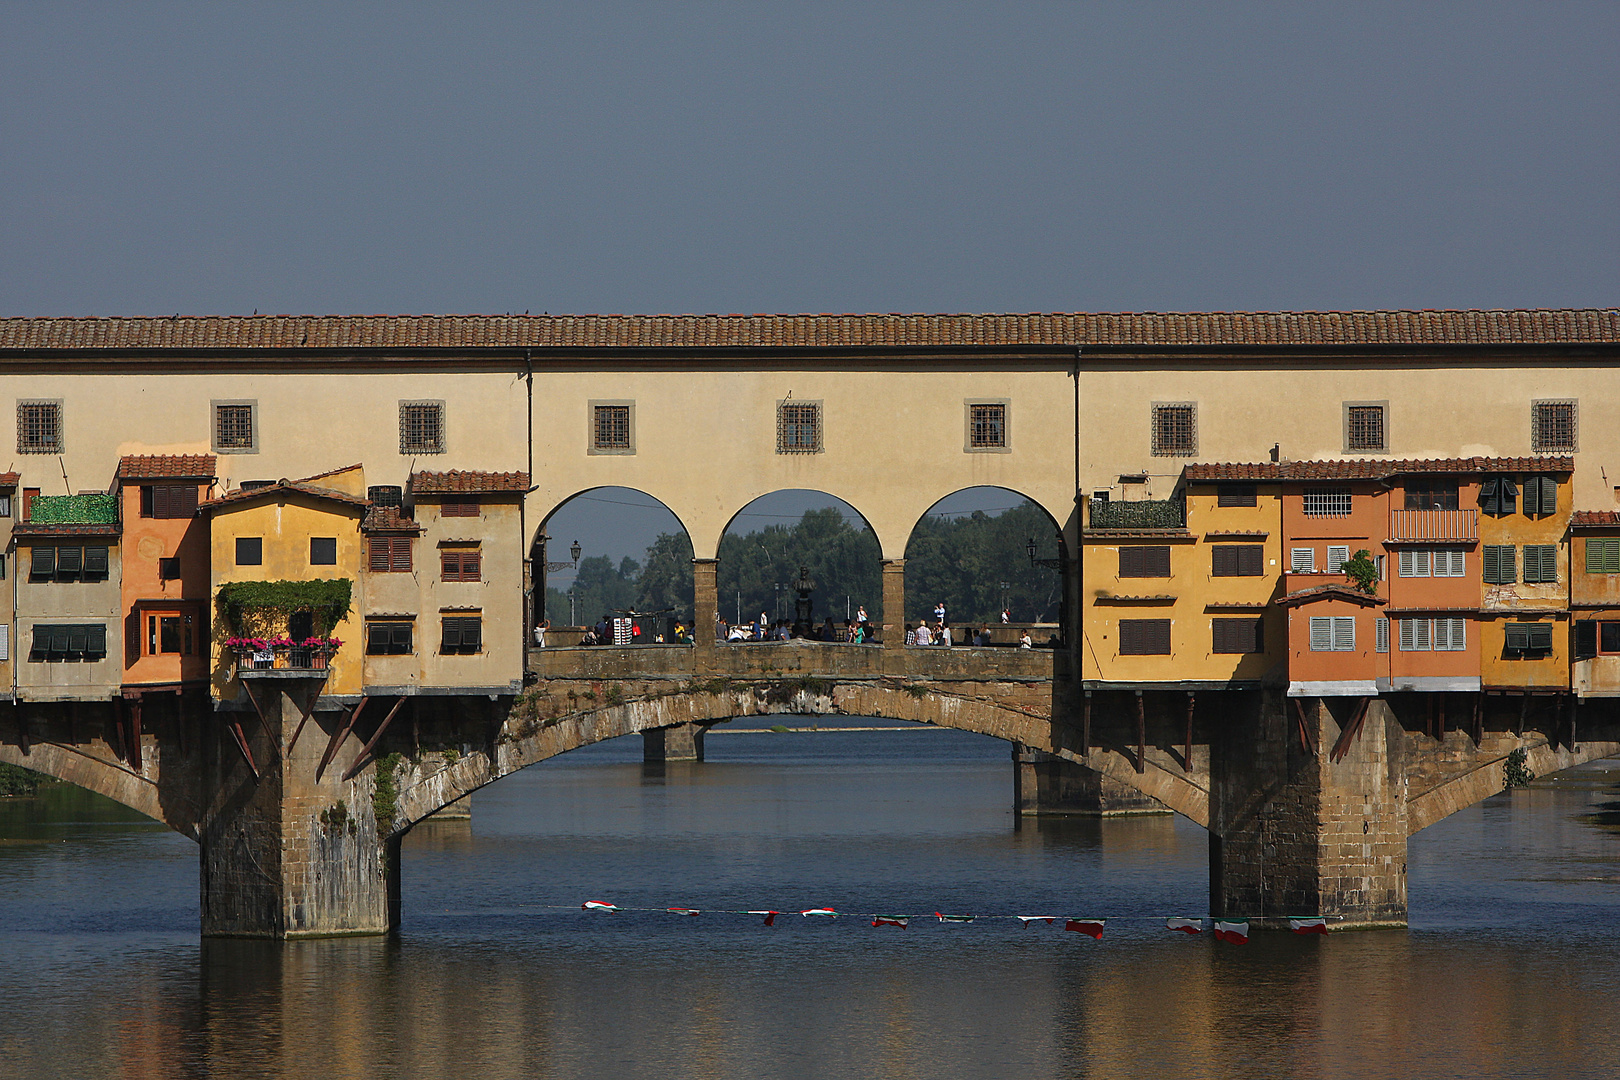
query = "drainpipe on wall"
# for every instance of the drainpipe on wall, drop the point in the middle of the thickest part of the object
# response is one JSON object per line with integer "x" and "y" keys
{"x": 526, "y": 604}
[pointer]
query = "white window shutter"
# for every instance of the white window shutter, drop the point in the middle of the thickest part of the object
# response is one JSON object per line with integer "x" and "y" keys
{"x": 1381, "y": 635}
{"x": 1321, "y": 634}
{"x": 1406, "y": 562}
{"x": 1422, "y": 635}
{"x": 1303, "y": 560}
{"x": 1421, "y": 563}
{"x": 1337, "y": 556}
{"x": 1454, "y": 562}
{"x": 1344, "y": 633}
{"x": 5, "y": 642}
{"x": 1406, "y": 634}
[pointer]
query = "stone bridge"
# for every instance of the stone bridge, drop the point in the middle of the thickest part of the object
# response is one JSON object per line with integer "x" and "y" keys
{"x": 299, "y": 810}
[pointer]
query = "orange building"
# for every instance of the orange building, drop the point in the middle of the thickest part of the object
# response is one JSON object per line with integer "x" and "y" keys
{"x": 166, "y": 570}
{"x": 1594, "y": 600}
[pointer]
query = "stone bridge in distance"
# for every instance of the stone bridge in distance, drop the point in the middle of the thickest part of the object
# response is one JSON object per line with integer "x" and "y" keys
{"x": 1308, "y": 802}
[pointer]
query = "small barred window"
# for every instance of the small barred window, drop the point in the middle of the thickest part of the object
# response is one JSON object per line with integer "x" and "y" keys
{"x": 1327, "y": 502}
{"x": 1553, "y": 427}
{"x": 612, "y": 427}
{"x": 987, "y": 426}
{"x": 39, "y": 427}
{"x": 798, "y": 427}
{"x": 233, "y": 427}
{"x": 1364, "y": 428}
{"x": 1175, "y": 430}
{"x": 421, "y": 427}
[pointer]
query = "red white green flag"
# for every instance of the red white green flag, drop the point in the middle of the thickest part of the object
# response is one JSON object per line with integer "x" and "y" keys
{"x": 683, "y": 911}
{"x": 1186, "y": 926}
{"x": 952, "y": 918}
{"x": 597, "y": 905}
{"x": 827, "y": 911}
{"x": 1090, "y": 927}
{"x": 891, "y": 920}
{"x": 770, "y": 916}
{"x": 1232, "y": 932}
{"x": 1027, "y": 919}
{"x": 1308, "y": 926}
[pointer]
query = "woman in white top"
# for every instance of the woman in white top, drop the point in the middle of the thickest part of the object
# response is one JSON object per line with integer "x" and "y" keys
{"x": 1024, "y": 642}
{"x": 944, "y": 635}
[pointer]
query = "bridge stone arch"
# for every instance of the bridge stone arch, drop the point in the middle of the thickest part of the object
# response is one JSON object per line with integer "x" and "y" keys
{"x": 544, "y": 547}
{"x": 544, "y": 727}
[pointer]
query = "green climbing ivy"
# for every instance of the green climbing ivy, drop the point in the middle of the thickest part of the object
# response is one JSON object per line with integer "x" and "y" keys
{"x": 1362, "y": 571}
{"x": 385, "y": 795}
{"x": 328, "y": 599}
{"x": 1514, "y": 771}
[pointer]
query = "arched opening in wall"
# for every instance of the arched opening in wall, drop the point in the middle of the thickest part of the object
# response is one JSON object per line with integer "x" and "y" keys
{"x": 612, "y": 553}
{"x": 990, "y": 557}
{"x": 799, "y": 563}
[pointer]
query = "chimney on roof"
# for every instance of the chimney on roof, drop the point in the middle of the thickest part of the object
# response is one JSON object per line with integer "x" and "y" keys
{"x": 1276, "y": 453}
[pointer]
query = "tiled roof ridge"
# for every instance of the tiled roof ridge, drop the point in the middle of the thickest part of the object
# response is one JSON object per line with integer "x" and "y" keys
{"x": 1594, "y": 518}
{"x": 1324, "y": 592}
{"x": 1373, "y": 468}
{"x": 328, "y": 472}
{"x": 468, "y": 481}
{"x": 148, "y": 466}
{"x": 1456, "y": 326}
{"x": 388, "y": 519}
{"x": 244, "y": 494}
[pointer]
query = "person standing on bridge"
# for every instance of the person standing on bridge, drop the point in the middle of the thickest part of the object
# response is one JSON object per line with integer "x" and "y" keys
{"x": 924, "y": 635}
{"x": 540, "y": 632}
{"x": 939, "y": 613}
{"x": 860, "y": 615}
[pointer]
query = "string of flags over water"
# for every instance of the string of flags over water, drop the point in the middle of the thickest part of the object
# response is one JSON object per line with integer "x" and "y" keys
{"x": 1230, "y": 930}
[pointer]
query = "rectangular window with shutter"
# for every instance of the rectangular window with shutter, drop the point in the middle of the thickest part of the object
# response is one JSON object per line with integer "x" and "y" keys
{"x": 459, "y": 506}
{"x": 461, "y": 634}
{"x": 1500, "y": 564}
{"x": 1237, "y": 495}
{"x": 388, "y": 638}
{"x": 69, "y": 563}
{"x": 388, "y": 554}
{"x": 1416, "y": 635}
{"x": 1415, "y": 563}
{"x": 461, "y": 564}
{"x": 1532, "y": 641}
{"x": 1302, "y": 561}
{"x": 68, "y": 643}
{"x": 1238, "y": 635}
{"x": 1498, "y": 496}
{"x": 97, "y": 562}
{"x": 1540, "y": 496}
{"x": 1144, "y": 562}
{"x": 1333, "y": 633}
{"x": 1337, "y": 556}
{"x": 1381, "y": 635}
{"x": 1144, "y": 637}
{"x": 1449, "y": 562}
{"x": 1540, "y": 564}
{"x": 1449, "y": 635}
{"x": 42, "y": 562}
{"x": 1602, "y": 556}
{"x": 1237, "y": 560}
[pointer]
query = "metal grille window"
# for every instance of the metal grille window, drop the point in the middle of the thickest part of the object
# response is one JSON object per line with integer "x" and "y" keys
{"x": 1237, "y": 560}
{"x": 1144, "y": 637}
{"x": 1144, "y": 562}
{"x": 1333, "y": 633}
{"x": 388, "y": 638}
{"x": 798, "y": 428}
{"x": 1603, "y": 556}
{"x": 1540, "y": 564}
{"x": 1326, "y": 502}
{"x": 1500, "y": 564}
{"x": 1175, "y": 430}
{"x": 462, "y": 634}
{"x": 1364, "y": 427}
{"x": 39, "y": 427}
{"x": 1238, "y": 635}
{"x": 1554, "y": 427}
{"x": 987, "y": 426}
{"x": 610, "y": 427}
{"x": 421, "y": 427}
{"x": 68, "y": 643}
{"x": 388, "y": 554}
{"x": 233, "y": 428}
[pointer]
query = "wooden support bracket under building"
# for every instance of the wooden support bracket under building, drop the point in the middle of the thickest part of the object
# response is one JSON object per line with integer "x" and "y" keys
{"x": 235, "y": 726}
{"x": 1141, "y": 734}
{"x": 1186, "y": 756}
{"x": 304, "y": 713}
{"x": 1085, "y": 728}
{"x": 376, "y": 737}
{"x": 1305, "y": 743}
{"x": 338, "y": 736}
{"x": 135, "y": 733}
{"x": 1524, "y": 710}
{"x": 1479, "y": 719}
{"x": 272, "y": 733}
{"x": 22, "y": 725}
{"x": 1347, "y": 737}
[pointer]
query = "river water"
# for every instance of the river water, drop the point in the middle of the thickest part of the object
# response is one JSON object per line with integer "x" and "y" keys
{"x": 1511, "y": 967}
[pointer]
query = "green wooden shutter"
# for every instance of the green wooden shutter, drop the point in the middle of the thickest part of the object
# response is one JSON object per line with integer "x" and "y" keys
{"x": 96, "y": 640}
{"x": 1540, "y": 636}
{"x": 1586, "y": 634}
{"x": 1490, "y": 497}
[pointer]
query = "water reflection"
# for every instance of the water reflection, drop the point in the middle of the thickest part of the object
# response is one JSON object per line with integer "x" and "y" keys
{"x": 1509, "y": 970}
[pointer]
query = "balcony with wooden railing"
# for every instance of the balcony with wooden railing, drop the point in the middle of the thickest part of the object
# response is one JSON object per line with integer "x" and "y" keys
{"x": 1434, "y": 526}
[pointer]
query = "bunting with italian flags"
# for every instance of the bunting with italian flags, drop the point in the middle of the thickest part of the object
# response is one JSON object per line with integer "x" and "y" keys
{"x": 683, "y": 911}
{"x": 770, "y": 916}
{"x": 1090, "y": 927}
{"x": 827, "y": 911}
{"x": 953, "y": 918}
{"x": 1232, "y": 932}
{"x": 1308, "y": 926}
{"x": 597, "y": 905}
{"x": 1186, "y": 926}
{"x": 891, "y": 920}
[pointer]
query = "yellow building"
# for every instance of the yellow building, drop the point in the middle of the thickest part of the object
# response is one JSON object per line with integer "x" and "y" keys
{"x": 1524, "y": 610}
{"x": 283, "y": 535}
{"x": 1179, "y": 591}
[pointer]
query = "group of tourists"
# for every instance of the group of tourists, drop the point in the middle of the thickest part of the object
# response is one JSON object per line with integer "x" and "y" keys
{"x": 940, "y": 632}
{"x": 858, "y": 630}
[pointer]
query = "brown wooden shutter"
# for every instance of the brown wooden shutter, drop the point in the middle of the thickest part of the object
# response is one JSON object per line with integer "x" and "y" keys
{"x": 400, "y": 555}
{"x": 1157, "y": 561}
{"x": 377, "y": 554}
{"x": 1251, "y": 560}
{"x": 1223, "y": 562}
{"x": 1130, "y": 562}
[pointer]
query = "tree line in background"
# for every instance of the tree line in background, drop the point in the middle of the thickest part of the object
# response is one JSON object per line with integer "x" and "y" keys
{"x": 973, "y": 563}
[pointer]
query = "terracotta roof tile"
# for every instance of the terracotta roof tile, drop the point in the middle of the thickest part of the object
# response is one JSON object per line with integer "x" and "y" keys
{"x": 1170, "y": 329}
{"x": 388, "y": 519}
{"x": 458, "y": 482}
{"x": 247, "y": 494}
{"x": 155, "y": 466}
{"x": 24, "y": 529}
{"x": 1372, "y": 469}
{"x": 10, "y": 479}
{"x": 1594, "y": 519}
{"x": 1329, "y": 592}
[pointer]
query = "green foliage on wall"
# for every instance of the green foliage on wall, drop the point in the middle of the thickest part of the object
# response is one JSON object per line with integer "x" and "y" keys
{"x": 73, "y": 509}
{"x": 1362, "y": 571}
{"x": 16, "y": 780}
{"x": 327, "y": 599}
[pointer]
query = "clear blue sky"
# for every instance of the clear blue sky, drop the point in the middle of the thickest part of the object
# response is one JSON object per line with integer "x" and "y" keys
{"x": 698, "y": 157}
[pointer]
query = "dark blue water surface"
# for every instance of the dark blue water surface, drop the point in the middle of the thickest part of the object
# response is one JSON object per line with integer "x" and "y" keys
{"x": 1511, "y": 966}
